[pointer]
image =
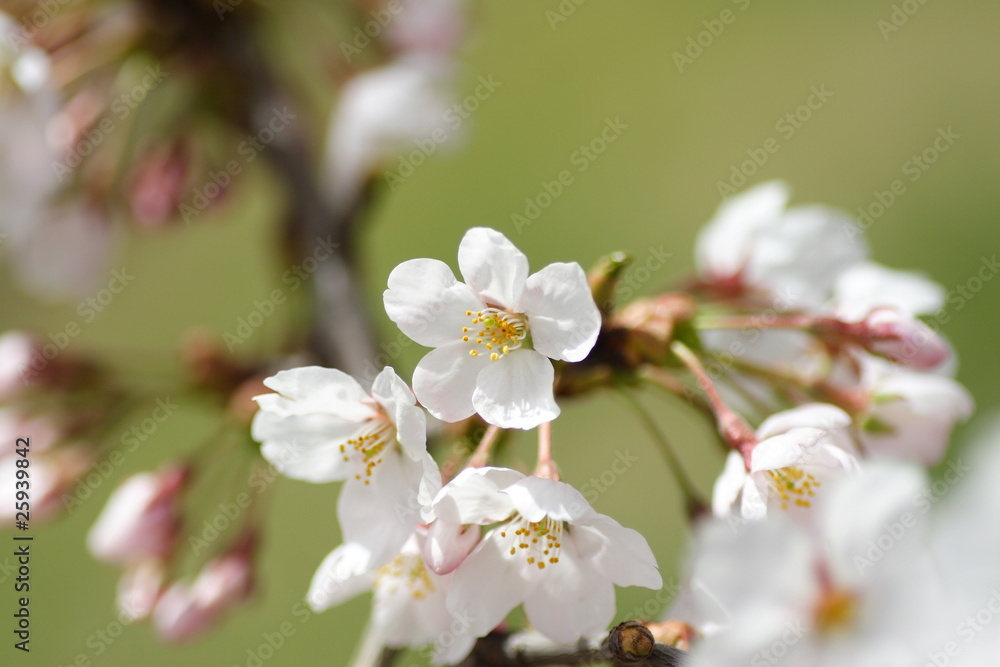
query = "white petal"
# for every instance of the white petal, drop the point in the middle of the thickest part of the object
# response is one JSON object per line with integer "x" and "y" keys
{"x": 562, "y": 315}
{"x": 381, "y": 515}
{"x": 411, "y": 431}
{"x": 317, "y": 389}
{"x": 728, "y": 485}
{"x": 516, "y": 391}
{"x": 867, "y": 285}
{"x": 391, "y": 392}
{"x": 727, "y": 242}
{"x": 753, "y": 502}
{"x": 783, "y": 450}
{"x": 445, "y": 380}
{"x": 486, "y": 587}
{"x": 535, "y": 498}
{"x": 816, "y": 415}
{"x": 493, "y": 267}
{"x": 305, "y": 447}
{"x": 427, "y": 303}
{"x": 344, "y": 573}
{"x": 571, "y": 600}
{"x": 620, "y": 554}
{"x": 474, "y": 496}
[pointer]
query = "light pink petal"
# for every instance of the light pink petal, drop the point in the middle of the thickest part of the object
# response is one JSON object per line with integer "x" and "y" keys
{"x": 474, "y": 496}
{"x": 347, "y": 571}
{"x": 618, "y": 553}
{"x": 486, "y": 587}
{"x": 729, "y": 485}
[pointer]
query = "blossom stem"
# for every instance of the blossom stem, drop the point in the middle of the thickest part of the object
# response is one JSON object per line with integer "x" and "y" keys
{"x": 481, "y": 456}
{"x": 734, "y": 430}
{"x": 546, "y": 466}
{"x": 693, "y": 499}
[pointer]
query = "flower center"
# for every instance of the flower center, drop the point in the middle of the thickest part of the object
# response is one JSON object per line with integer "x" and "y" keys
{"x": 793, "y": 486}
{"x": 409, "y": 571}
{"x": 368, "y": 446}
{"x": 494, "y": 332}
{"x": 539, "y": 542}
{"x": 835, "y": 610}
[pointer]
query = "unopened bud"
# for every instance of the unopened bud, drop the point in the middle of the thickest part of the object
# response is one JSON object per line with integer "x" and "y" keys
{"x": 651, "y": 324}
{"x": 631, "y": 642}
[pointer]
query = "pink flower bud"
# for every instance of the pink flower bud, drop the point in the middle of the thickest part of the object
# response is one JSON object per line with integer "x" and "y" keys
{"x": 186, "y": 610}
{"x": 141, "y": 518}
{"x": 447, "y": 544}
{"x": 139, "y": 588}
{"x": 904, "y": 339}
{"x": 158, "y": 185}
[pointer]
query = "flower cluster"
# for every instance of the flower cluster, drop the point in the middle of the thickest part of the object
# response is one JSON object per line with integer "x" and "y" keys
{"x": 448, "y": 563}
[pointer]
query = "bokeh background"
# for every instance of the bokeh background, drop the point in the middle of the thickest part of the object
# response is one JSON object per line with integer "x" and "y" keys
{"x": 564, "y": 69}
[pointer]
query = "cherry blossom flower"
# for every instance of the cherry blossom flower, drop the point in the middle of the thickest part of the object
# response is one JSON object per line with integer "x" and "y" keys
{"x": 408, "y": 608}
{"x": 798, "y": 450}
{"x": 909, "y": 415}
{"x": 793, "y": 256}
{"x": 550, "y": 552}
{"x": 857, "y": 588}
{"x": 493, "y": 334}
{"x": 321, "y": 426}
{"x": 141, "y": 519}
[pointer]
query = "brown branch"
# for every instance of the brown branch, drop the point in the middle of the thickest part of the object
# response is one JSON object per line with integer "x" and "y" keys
{"x": 630, "y": 644}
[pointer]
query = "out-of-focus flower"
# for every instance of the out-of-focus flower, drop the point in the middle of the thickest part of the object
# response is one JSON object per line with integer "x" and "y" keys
{"x": 792, "y": 256}
{"x": 408, "y": 609}
{"x": 158, "y": 183}
{"x": 53, "y": 474}
{"x": 797, "y": 452}
{"x": 428, "y": 26}
{"x": 321, "y": 426}
{"x": 141, "y": 519}
{"x": 66, "y": 252}
{"x": 188, "y": 609}
{"x": 17, "y": 353}
{"x": 27, "y": 104}
{"x": 909, "y": 415}
{"x": 139, "y": 588}
{"x": 493, "y": 334}
{"x": 549, "y": 551}
{"x": 857, "y": 588}
{"x": 383, "y": 112}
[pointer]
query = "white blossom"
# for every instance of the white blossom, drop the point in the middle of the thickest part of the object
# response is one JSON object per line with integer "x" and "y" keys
{"x": 321, "y": 426}
{"x": 549, "y": 551}
{"x": 493, "y": 334}
{"x": 797, "y": 452}
{"x": 793, "y": 256}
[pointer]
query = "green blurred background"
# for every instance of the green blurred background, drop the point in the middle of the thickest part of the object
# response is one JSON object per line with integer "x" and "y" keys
{"x": 655, "y": 184}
